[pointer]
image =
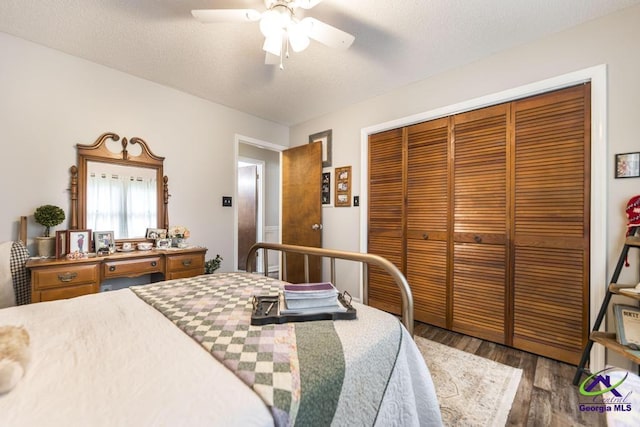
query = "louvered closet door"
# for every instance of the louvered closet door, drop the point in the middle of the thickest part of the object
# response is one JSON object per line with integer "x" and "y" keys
{"x": 427, "y": 219}
{"x": 480, "y": 256}
{"x": 386, "y": 213}
{"x": 552, "y": 140}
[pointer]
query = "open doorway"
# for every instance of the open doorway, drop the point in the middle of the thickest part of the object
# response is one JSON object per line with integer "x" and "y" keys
{"x": 257, "y": 207}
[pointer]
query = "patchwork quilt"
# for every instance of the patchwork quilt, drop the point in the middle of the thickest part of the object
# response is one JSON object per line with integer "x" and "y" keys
{"x": 298, "y": 369}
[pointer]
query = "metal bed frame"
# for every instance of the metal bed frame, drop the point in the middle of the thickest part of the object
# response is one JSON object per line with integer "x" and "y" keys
{"x": 364, "y": 259}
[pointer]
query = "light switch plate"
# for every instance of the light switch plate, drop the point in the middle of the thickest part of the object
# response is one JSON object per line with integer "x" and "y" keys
{"x": 226, "y": 201}
{"x": 356, "y": 200}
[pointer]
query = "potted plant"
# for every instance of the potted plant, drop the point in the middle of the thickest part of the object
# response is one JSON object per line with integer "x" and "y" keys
{"x": 211, "y": 265}
{"x": 47, "y": 216}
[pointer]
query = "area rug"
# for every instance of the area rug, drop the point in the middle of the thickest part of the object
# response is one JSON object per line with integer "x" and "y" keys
{"x": 472, "y": 391}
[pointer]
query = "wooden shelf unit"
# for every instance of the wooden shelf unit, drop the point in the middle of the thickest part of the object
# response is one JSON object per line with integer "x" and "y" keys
{"x": 608, "y": 339}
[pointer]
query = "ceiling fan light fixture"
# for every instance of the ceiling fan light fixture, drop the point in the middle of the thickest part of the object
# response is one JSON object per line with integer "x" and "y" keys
{"x": 273, "y": 44}
{"x": 297, "y": 37}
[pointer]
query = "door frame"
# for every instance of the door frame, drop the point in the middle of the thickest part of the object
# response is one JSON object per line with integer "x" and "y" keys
{"x": 260, "y": 192}
{"x": 597, "y": 75}
{"x": 241, "y": 139}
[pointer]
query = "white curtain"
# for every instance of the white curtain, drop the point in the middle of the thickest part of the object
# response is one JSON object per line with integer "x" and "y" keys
{"x": 125, "y": 205}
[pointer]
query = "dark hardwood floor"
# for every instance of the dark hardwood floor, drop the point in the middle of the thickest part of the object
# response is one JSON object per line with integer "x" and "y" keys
{"x": 546, "y": 395}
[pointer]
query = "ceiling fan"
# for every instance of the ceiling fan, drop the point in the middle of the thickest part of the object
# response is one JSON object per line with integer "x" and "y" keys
{"x": 281, "y": 28}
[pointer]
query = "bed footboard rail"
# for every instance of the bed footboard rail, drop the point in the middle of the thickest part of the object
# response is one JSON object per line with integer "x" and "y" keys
{"x": 332, "y": 254}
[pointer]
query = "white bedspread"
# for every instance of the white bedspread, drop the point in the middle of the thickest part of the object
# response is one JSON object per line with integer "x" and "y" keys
{"x": 111, "y": 359}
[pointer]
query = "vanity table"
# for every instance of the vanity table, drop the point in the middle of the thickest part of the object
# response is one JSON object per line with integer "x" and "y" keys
{"x": 53, "y": 279}
{"x": 124, "y": 161}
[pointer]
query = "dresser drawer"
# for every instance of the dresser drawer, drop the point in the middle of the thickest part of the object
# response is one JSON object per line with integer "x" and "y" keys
{"x": 183, "y": 274}
{"x": 56, "y": 277}
{"x": 67, "y": 292}
{"x": 132, "y": 267}
{"x": 177, "y": 263}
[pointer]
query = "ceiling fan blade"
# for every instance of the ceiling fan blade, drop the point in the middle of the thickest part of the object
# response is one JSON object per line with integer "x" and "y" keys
{"x": 307, "y": 4}
{"x": 326, "y": 34}
{"x": 226, "y": 15}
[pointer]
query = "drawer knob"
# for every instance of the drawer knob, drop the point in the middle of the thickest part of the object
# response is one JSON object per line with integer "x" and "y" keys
{"x": 112, "y": 268}
{"x": 186, "y": 262}
{"x": 154, "y": 263}
{"x": 478, "y": 239}
{"x": 425, "y": 236}
{"x": 67, "y": 277}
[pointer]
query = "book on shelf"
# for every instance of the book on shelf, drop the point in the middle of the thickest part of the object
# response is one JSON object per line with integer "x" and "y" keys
{"x": 627, "y": 325}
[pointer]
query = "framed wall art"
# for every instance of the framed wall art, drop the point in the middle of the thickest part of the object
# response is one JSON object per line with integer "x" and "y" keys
{"x": 627, "y": 165}
{"x": 325, "y": 138}
{"x": 343, "y": 186}
{"x": 326, "y": 188}
{"x": 78, "y": 241}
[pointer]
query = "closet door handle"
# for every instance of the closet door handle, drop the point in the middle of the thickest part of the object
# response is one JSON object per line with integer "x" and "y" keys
{"x": 478, "y": 239}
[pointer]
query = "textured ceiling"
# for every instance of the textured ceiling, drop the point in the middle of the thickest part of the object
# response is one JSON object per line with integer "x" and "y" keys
{"x": 397, "y": 42}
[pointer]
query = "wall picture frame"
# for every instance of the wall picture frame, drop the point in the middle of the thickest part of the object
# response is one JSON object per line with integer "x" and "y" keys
{"x": 325, "y": 138}
{"x": 326, "y": 188}
{"x": 627, "y": 165}
{"x": 343, "y": 186}
{"x": 103, "y": 240}
{"x": 78, "y": 241}
{"x": 61, "y": 243}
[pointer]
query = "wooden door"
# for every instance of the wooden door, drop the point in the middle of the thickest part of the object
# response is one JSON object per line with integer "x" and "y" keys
{"x": 247, "y": 212}
{"x": 480, "y": 230}
{"x": 302, "y": 208}
{"x": 551, "y": 240}
{"x": 386, "y": 215}
{"x": 428, "y": 219}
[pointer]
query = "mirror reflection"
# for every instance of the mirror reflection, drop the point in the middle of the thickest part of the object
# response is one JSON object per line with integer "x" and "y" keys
{"x": 122, "y": 199}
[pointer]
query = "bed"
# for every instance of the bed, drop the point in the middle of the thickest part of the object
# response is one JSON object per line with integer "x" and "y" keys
{"x": 183, "y": 352}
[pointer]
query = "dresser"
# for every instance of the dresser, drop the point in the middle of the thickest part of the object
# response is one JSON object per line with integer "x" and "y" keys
{"x": 53, "y": 279}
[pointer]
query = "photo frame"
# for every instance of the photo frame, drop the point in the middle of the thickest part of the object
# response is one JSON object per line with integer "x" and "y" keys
{"x": 163, "y": 243}
{"x": 78, "y": 241}
{"x": 627, "y": 165}
{"x": 61, "y": 243}
{"x": 156, "y": 233}
{"x": 343, "y": 186}
{"x": 103, "y": 240}
{"x": 325, "y": 138}
{"x": 627, "y": 325}
{"x": 326, "y": 188}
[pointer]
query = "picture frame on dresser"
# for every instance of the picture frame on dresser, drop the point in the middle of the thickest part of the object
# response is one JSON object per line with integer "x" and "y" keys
{"x": 61, "y": 243}
{"x": 104, "y": 241}
{"x": 78, "y": 241}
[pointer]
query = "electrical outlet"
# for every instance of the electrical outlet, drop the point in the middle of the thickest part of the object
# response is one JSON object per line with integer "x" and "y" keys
{"x": 356, "y": 200}
{"x": 226, "y": 201}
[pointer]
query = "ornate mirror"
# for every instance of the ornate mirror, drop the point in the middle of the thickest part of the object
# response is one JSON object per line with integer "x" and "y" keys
{"x": 122, "y": 190}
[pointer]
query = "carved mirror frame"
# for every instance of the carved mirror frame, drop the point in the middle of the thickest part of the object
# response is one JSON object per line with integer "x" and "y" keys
{"x": 99, "y": 152}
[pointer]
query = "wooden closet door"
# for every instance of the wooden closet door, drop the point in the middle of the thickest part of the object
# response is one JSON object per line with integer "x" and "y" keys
{"x": 386, "y": 215}
{"x": 427, "y": 219}
{"x": 551, "y": 274}
{"x": 480, "y": 255}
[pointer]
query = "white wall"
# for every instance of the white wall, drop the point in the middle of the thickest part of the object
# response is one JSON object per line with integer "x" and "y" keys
{"x": 50, "y": 101}
{"x": 611, "y": 40}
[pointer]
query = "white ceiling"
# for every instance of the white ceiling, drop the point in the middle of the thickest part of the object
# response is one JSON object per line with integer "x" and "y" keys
{"x": 397, "y": 42}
